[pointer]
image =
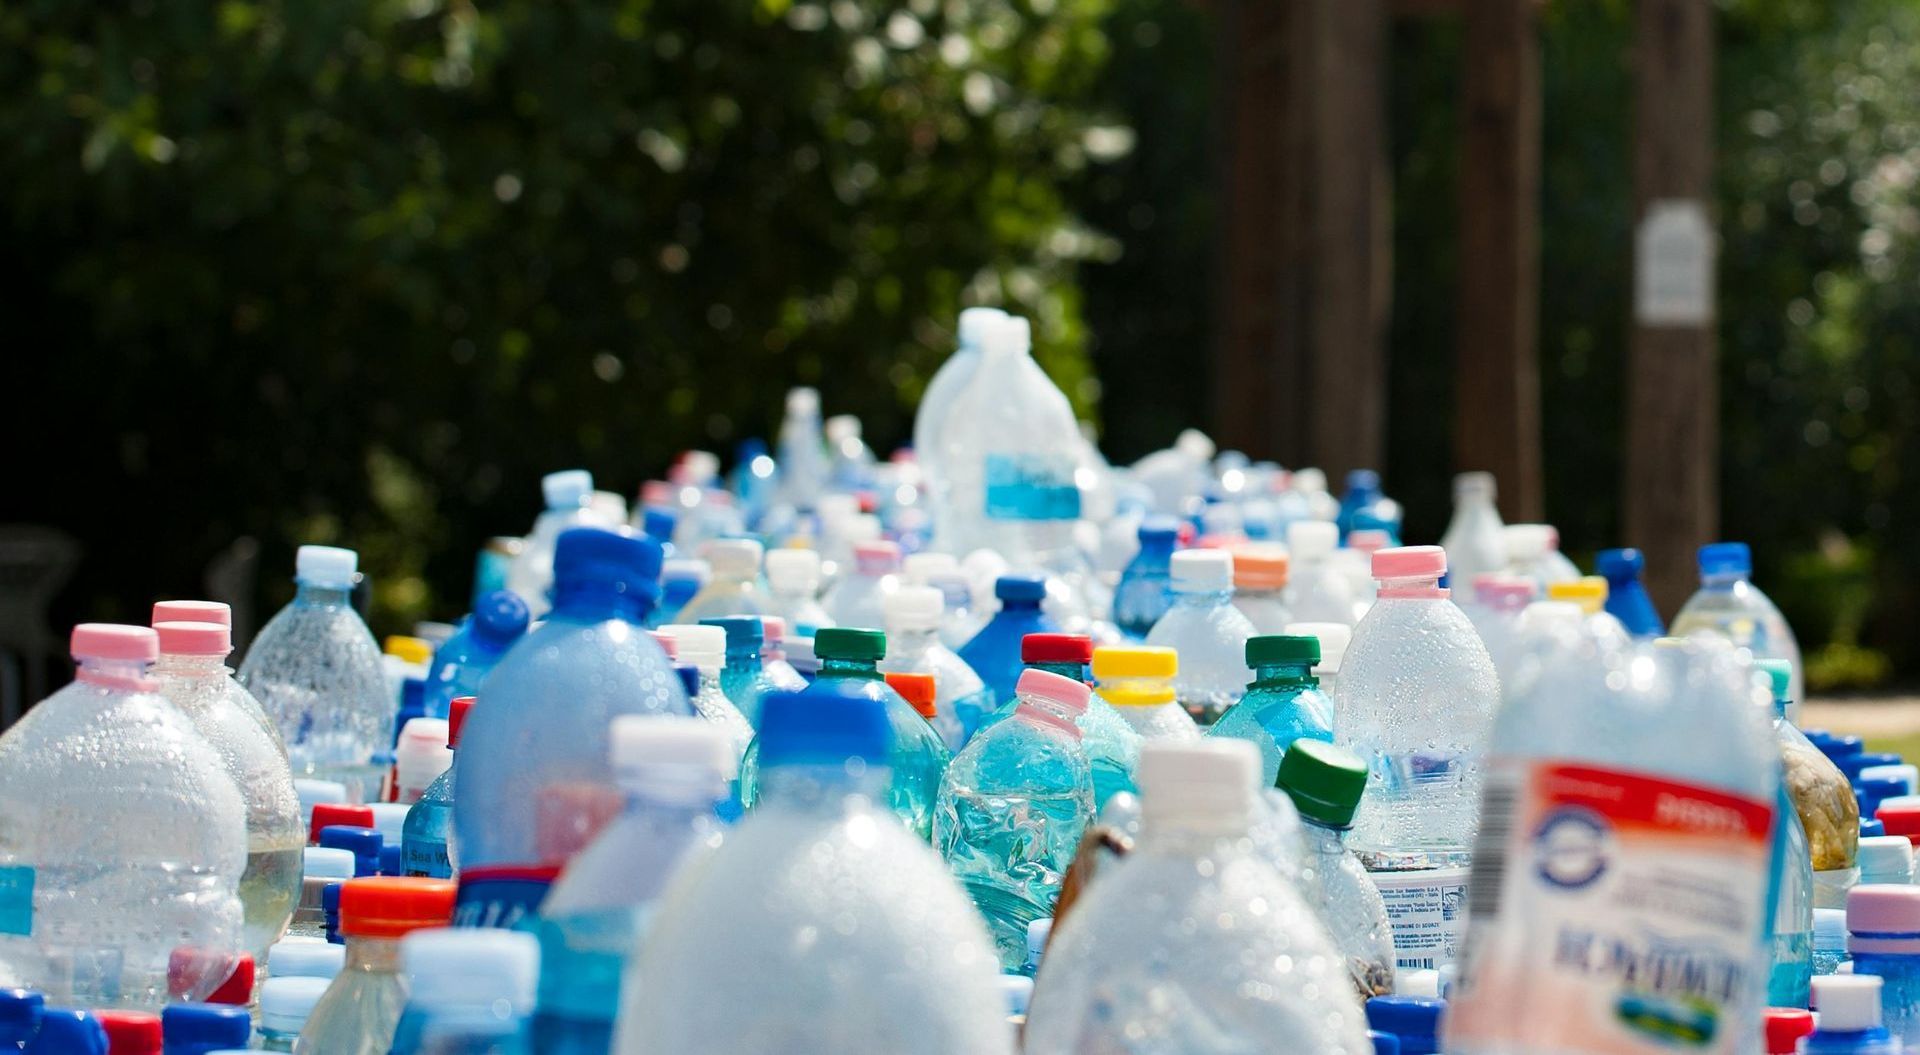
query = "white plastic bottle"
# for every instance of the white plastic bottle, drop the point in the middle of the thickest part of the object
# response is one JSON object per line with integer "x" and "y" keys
{"x": 569, "y": 498}
{"x": 948, "y": 381}
{"x": 1533, "y": 550}
{"x": 793, "y": 580}
{"x": 1209, "y": 633}
{"x": 1475, "y": 541}
{"x": 802, "y": 452}
{"x": 1317, "y": 589}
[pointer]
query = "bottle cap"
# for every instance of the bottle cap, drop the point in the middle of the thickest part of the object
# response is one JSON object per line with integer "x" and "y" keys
{"x": 697, "y": 645}
{"x": 803, "y": 402}
{"x": 1473, "y": 485}
{"x": 849, "y": 643}
{"x": 1725, "y": 558}
{"x": 1408, "y": 1018}
{"x": 392, "y": 906}
{"x": 1870, "y": 827}
{"x": 1071, "y": 694}
{"x": 1885, "y": 858}
{"x": 1282, "y": 650}
{"x": 1784, "y": 1027}
{"x": 916, "y": 689}
{"x": 1848, "y": 1003}
{"x": 1409, "y": 562}
{"x": 472, "y": 967}
{"x": 1551, "y": 617}
{"x": 326, "y": 862}
{"x": 112, "y": 641}
{"x": 285, "y": 1002}
{"x": 1883, "y": 917}
{"x": 499, "y": 619}
{"x": 193, "y": 639}
{"x": 658, "y": 522}
{"x": 192, "y": 612}
{"x": 744, "y": 633}
{"x": 197, "y": 1026}
{"x": 686, "y": 570}
{"x": 1324, "y": 781}
{"x": 362, "y": 843}
{"x": 328, "y": 567}
{"x": 1619, "y": 565}
{"x": 1333, "y": 639}
{"x": 1039, "y": 932}
{"x": 1158, "y": 531}
{"x": 974, "y": 324}
{"x": 877, "y": 557}
{"x": 911, "y": 608}
{"x": 311, "y": 959}
{"x": 824, "y": 724}
{"x": 1383, "y": 1043}
{"x": 20, "y": 1011}
{"x": 1209, "y": 781}
{"x": 1500, "y": 590}
{"x": 1894, "y": 781}
{"x": 1588, "y": 591}
{"x": 408, "y": 649}
{"x": 1311, "y": 539}
{"x": 773, "y": 630}
{"x": 1259, "y": 568}
{"x": 733, "y": 558}
{"x": 1017, "y": 991}
{"x": 137, "y": 1032}
{"x": 1830, "y": 929}
{"x": 329, "y": 814}
{"x": 1526, "y": 543}
{"x": 567, "y": 489}
{"x": 422, "y": 753}
{"x": 1203, "y": 569}
{"x": 1852, "y": 765}
{"x": 1056, "y": 648}
{"x": 237, "y": 990}
{"x": 1779, "y": 674}
{"x": 68, "y": 1031}
{"x": 793, "y": 570}
{"x": 1012, "y": 334}
{"x": 921, "y": 569}
{"x": 1027, "y": 588}
{"x": 1134, "y": 661}
{"x": 615, "y": 556}
{"x": 642, "y": 742}
{"x": 457, "y": 712}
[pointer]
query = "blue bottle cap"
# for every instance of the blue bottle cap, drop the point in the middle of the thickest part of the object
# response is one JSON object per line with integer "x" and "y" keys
{"x": 330, "y": 906}
{"x": 743, "y": 631}
{"x": 1363, "y": 480}
{"x": 658, "y": 523}
{"x": 1871, "y": 790}
{"x": 1619, "y": 565}
{"x": 1725, "y": 558}
{"x": 689, "y": 680}
{"x": 363, "y": 843}
{"x": 1870, "y": 827}
{"x": 1384, "y": 1043}
{"x": 197, "y": 1027}
{"x": 1851, "y": 765}
{"x": 499, "y": 619}
{"x": 1030, "y": 588}
{"x": 826, "y": 723}
{"x": 1840, "y": 747}
{"x": 1159, "y": 529}
{"x": 1413, "y": 1019}
{"x": 390, "y": 859}
{"x": 615, "y": 556}
{"x": 19, "y": 1013}
{"x": 68, "y": 1031}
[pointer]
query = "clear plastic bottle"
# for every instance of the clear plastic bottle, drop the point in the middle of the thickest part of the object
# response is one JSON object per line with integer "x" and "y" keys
{"x": 802, "y": 452}
{"x": 994, "y": 652}
{"x": 849, "y": 459}
{"x": 1260, "y": 587}
{"x": 1146, "y": 586}
{"x": 773, "y": 658}
{"x": 1325, "y": 783}
{"x": 1824, "y": 800}
{"x": 1626, "y": 597}
{"x": 948, "y": 381}
{"x": 194, "y": 677}
{"x": 1729, "y": 604}
{"x": 1283, "y": 703}
{"x": 1851, "y": 1019}
{"x": 1112, "y": 747}
{"x": 1808, "y": 807}
{"x": 362, "y": 1005}
{"x": 469, "y": 992}
{"x": 818, "y": 900}
{"x": 285, "y": 1005}
{"x": 919, "y": 691}
{"x": 1533, "y": 551}
{"x": 1417, "y": 698}
{"x": 1138, "y": 682}
{"x": 793, "y": 579}
{"x": 856, "y": 599}
{"x": 1589, "y": 594}
{"x": 1333, "y": 638}
{"x": 1365, "y": 507}
{"x": 300, "y": 958}
{"x": 461, "y": 661}
{"x": 1474, "y": 541}
{"x": 124, "y": 838}
{"x": 704, "y": 648}
{"x": 316, "y": 671}
{"x": 1191, "y": 943}
{"x": 734, "y": 588}
{"x": 1209, "y": 633}
{"x": 1012, "y": 807}
{"x": 912, "y": 616}
{"x": 419, "y": 759}
{"x": 1494, "y": 609}
{"x": 532, "y": 766}
{"x": 427, "y": 846}
{"x": 569, "y": 498}
{"x": 1317, "y": 590}
{"x": 744, "y": 678}
{"x": 1177, "y": 474}
{"x": 1629, "y": 786}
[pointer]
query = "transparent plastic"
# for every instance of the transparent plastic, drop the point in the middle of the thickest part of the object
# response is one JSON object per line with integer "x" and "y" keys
{"x": 1337, "y": 887}
{"x": 362, "y": 1008}
{"x": 316, "y": 671}
{"x": 427, "y": 845}
{"x": 531, "y": 573}
{"x": 958, "y": 691}
{"x": 1146, "y": 586}
{"x": 1475, "y": 541}
{"x": 1281, "y": 705}
{"x": 1734, "y": 608}
{"x": 1211, "y": 636}
{"x": 1265, "y": 608}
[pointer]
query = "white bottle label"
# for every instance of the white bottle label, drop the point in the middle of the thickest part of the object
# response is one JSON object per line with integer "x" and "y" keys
{"x": 1426, "y": 907}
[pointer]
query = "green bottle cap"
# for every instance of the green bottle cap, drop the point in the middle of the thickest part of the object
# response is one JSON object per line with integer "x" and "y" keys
{"x": 1779, "y": 674}
{"x": 1323, "y": 780}
{"x": 842, "y": 642}
{"x": 1275, "y": 650}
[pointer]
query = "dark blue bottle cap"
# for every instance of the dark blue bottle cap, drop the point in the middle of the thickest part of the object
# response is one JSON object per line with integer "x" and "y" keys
{"x": 1839, "y": 747}
{"x": 390, "y": 860}
{"x": 499, "y": 619}
{"x": 1413, "y": 1019}
{"x": 68, "y": 1031}
{"x": 1028, "y": 588}
{"x": 1159, "y": 529}
{"x": 614, "y": 556}
{"x": 205, "y": 1027}
{"x": 330, "y": 906}
{"x": 1726, "y": 558}
{"x": 1619, "y": 565}
{"x": 362, "y": 843}
{"x": 1384, "y": 1043}
{"x": 689, "y": 680}
{"x": 743, "y": 631}
{"x": 1870, "y": 827}
{"x": 658, "y": 523}
{"x": 827, "y": 723}
{"x": 19, "y": 1014}
{"x": 1851, "y": 765}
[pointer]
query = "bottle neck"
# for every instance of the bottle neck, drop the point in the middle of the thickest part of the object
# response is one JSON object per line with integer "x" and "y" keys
{"x": 124, "y": 675}
{"x": 373, "y": 954}
{"x": 1049, "y": 714}
{"x": 1018, "y": 609}
{"x": 1076, "y": 671}
{"x": 1321, "y": 838}
{"x": 597, "y": 599}
{"x": 673, "y": 795}
{"x": 192, "y": 667}
{"x": 1421, "y": 589}
{"x": 1202, "y": 596}
{"x": 1189, "y": 836}
{"x": 746, "y": 658}
{"x": 860, "y": 669}
{"x": 315, "y": 594}
{"x": 1285, "y": 676}
{"x": 710, "y": 681}
{"x": 1724, "y": 580}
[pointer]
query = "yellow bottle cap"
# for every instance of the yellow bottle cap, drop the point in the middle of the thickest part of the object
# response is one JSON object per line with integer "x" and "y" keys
{"x": 1589, "y": 592}
{"x": 1136, "y": 676}
{"x": 411, "y": 649}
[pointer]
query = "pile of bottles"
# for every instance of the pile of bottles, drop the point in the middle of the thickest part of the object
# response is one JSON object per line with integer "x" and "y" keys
{"x": 987, "y": 747}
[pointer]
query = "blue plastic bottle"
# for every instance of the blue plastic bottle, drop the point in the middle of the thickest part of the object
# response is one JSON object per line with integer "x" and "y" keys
{"x": 1364, "y": 507}
{"x": 466, "y": 657}
{"x": 994, "y": 652}
{"x": 680, "y": 580}
{"x": 1883, "y": 936}
{"x": 1850, "y": 1018}
{"x": 1283, "y": 702}
{"x": 532, "y": 768}
{"x": 747, "y": 677}
{"x": 19, "y": 1017}
{"x": 470, "y": 992}
{"x": 1146, "y": 586}
{"x": 68, "y": 1031}
{"x": 1627, "y": 599}
{"x": 196, "y": 1029}
{"x": 425, "y": 846}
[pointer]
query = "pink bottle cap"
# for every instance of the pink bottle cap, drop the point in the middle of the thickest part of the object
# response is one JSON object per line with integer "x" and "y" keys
{"x": 182, "y": 638}
{"x": 1883, "y": 918}
{"x": 666, "y": 642}
{"x": 191, "y": 612}
{"x": 1368, "y": 540}
{"x": 876, "y": 558}
{"x": 134, "y": 644}
{"x": 773, "y": 629}
{"x": 1500, "y": 590}
{"x": 1070, "y": 694}
{"x": 1410, "y": 571}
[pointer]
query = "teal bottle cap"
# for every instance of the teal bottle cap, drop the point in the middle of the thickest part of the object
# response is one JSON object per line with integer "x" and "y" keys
{"x": 840, "y": 642}
{"x": 1779, "y": 674}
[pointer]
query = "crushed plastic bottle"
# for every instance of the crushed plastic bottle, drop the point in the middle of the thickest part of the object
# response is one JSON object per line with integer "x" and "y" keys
{"x": 1208, "y": 632}
{"x": 463, "y": 660}
{"x": 1729, "y": 604}
{"x": 1282, "y": 704}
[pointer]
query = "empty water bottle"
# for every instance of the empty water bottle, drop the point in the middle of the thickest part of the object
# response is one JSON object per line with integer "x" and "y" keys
{"x": 793, "y": 580}
{"x": 468, "y": 991}
{"x": 734, "y": 588}
{"x": 461, "y": 661}
{"x": 912, "y": 616}
{"x": 1729, "y": 604}
{"x": 704, "y": 648}
{"x": 1533, "y": 551}
{"x": 569, "y": 504}
{"x": 1282, "y": 704}
{"x": 1260, "y": 587}
{"x": 856, "y": 599}
{"x": 426, "y": 836}
{"x": 1318, "y": 591}
{"x": 1325, "y": 783}
{"x": 362, "y": 1005}
{"x": 936, "y": 402}
{"x": 1146, "y": 586}
{"x": 1138, "y": 682}
{"x": 1474, "y": 541}
{"x": 1209, "y": 633}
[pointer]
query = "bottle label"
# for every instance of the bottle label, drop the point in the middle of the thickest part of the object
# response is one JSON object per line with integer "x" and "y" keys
{"x": 1427, "y": 908}
{"x": 1031, "y": 487}
{"x": 505, "y": 897}
{"x": 1613, "y": 912}
{"x": 425, "y": 857}
{"x": 16, "y": 899}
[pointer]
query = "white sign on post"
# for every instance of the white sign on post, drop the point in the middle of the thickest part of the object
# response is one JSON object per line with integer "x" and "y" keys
{"x": 1673, "y": 265}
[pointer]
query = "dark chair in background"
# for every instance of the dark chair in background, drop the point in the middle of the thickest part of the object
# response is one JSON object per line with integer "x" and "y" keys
{"x": 35, "y": 563}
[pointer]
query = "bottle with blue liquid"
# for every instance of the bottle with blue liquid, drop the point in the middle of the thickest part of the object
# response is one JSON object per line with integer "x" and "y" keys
{"x": 994, "y": 652}
{"x": 1729, "y": 604}
{"x": 535, "y": 786}
{"x": 1365, "y": 507}
{"x": 1627, "y": 597}
{"x": 745, "y": 677}
{"x": 426, "y": 838}
{"x": 1282, "y": 704}
{"x": 1146, "y": 586}
{"x": 459, "y": 664}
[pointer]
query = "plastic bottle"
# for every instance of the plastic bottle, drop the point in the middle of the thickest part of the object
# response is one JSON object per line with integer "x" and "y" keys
{"x": 1626, "y": 597}
{"x": 912, "y": 615}
{"x": 793, "y": 579}
{"x": 123, "y": 838}
{"x": 362, "y": 1005}
{"x": 532, "y": 766}
{"x": 1146, "y": 586}
{"x": 316, "y": 672}
{"x": 68, "y": 1031}
{"x": 1533, "y": 551}
{"x": 297, "y": 958}
{"x": 132, "y": 1032}
{"x": 1729, "y": 604}
{"x": 20, "y": 1011}
{"x": 1474, "y": 541}
{"x": 1012, "y": 807}
{"x": 994, "y": 653}
{"x": 459, "y": 664}
{"x": 193, "y": 676}
{"x": 704, "y": 649}
{"x": 1317, "y": 590}
{"x": 1829, "y": 940}
{"x": 818, "y": 899}
{"x": 1259, "y": 587}
{"x": 1494, "y": 608}
{"x": 1138, "y": 682}
{"x": 320, "y": 866}
{"x": 773, "y": 656}
{"x": 1850, "y": 1021}
{"x": 1333, "y": 638}
{"x": 1364, "y": 507}
{"x": 1209, "y": 633}
{"x": 849, "y": 460}
{"x": 920, "y": 693}
{"x": 286, "y": 1004}
{"x": 743, "y": 677}
{"x": 1325, "y": 783}
{"x": 1282, "y": 704}
{"x": 680, "y": 580}
{"x": 734, "y": 588}
{"x": 1791, "y": 930}
{"x": 856, "y": 599}
{"x": 197, "y": 1029}
{"x": 569, "y": 498}
{"x": 469, "y": 992}
{"x": 426, "y": 838}
{"x": 948, "y": 382}
{"x": 1660, "y": 754}
{"x": 1113, "y": 748}
{"x": 1190, "y": 943}
{"x": 802, "y": 452}
{"x": 419, "y": 759}
{"x": 1175, "y": 475}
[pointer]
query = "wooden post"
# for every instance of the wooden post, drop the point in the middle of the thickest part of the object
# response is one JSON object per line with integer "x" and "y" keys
{"x": 1497, "y": 365}
{"x": 1671, "y": 490}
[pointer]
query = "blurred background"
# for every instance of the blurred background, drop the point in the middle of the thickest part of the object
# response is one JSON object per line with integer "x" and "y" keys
{"x": 359, "y": 272}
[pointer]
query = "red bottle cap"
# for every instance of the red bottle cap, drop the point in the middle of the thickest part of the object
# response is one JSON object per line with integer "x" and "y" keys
{"x": 131, "y": 1032}
{"x": 1784, "y": 1028}
{"x": 1056, "y": 648}
{"x": 1901, "y": 820}
{"x": 237, "y": 990}
{"x": 329, "y": 814}
{"x": 456, "y": 718}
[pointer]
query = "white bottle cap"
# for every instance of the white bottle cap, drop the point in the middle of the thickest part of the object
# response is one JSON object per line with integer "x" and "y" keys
{"x": 567, "y": 489}
{"x": 803, "y": 402}
{"x": 1885, "y": 858}
{"x": 1423, "y": 982}
{"x": 698, "y": 645}
{"x": 1309, "y": 481}
{"x": 390, "y": 820}
{"x": 326, "y": 862}
{"x": 1473, "y": 485}
{"x": 974, "y": 324}
{"x": 1334, "y": 638}
{"x": 842, "y": 427}
{"x": 609, "y": 507}
{"x": 422, "y": 753}
{"x": 923, "y": 569}
{"x": 1017, "y": 989}
{"x": 1527, "y": 542}
{"x": 305, "y": 958}
{"x": 1012, "y": 334}
{"x": 733, "y": 558}
{"x": 682, "y": 568}
{"x": 793, "y": 570}
{"x": 328, "y": 567}
{"x": 862, "y": 527}
{"x": 1848, "y": 1003}
{"x": 696, "y": 750}
{"x": 837, "y": 511}
{"x": 1203, "y": 783}
{"x": 1311, "y": 539}
{"x": 285, "y": 1003}
{"x": 1551, "y": 617}
{"x": 910, "y": 608}
{"x": 472, "y": 967}
{"x": 1203, "y": 569}
{"x": 1830, "y": 929}
{"x": 700, "y": 467}
{"x": 314, "y": 792}
{"x": 1194, "y": 444}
